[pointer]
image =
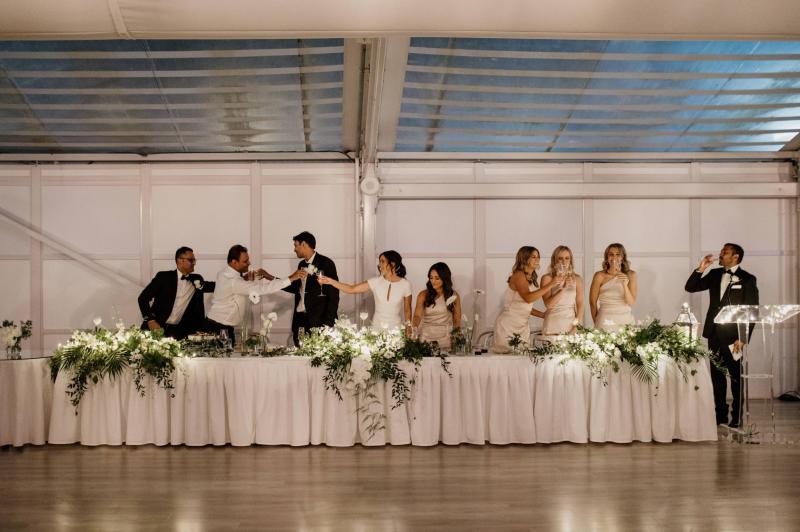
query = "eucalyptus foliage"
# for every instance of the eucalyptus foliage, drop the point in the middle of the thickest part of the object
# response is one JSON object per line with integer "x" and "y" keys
{"x": 641, "y": 346}
{"x": 90, "y": 356}
{"x": 355, "y": 359}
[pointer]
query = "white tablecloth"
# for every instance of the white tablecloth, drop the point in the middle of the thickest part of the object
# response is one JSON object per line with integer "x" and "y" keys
{"x": 26, "y": 393}
{"x": 495, "y": 399}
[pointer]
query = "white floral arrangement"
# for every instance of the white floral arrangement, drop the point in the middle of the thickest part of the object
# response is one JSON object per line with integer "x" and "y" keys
{"x": 11, "y": 334}
{"x": 90, "y": 356}
{"x": 356, "y": 358}
{"x": 640, "y": 345}
{"x": 266, "y": 326}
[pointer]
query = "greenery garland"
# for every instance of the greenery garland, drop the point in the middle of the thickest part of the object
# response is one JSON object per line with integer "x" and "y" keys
{"x": 641, "y": 346}
{"x": 355, "y": 359}
{"x": 89, "y": 356}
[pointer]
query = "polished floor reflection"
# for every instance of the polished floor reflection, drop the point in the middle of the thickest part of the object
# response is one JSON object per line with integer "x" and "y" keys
{"x": 679, "y": 486}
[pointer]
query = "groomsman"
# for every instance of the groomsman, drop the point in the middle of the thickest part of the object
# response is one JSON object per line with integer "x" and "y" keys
{"x": 729, "y": 285}
{"x": 314, "y": 305}
{"x": 234, "y": 286}
{"x": 173, "y": 300}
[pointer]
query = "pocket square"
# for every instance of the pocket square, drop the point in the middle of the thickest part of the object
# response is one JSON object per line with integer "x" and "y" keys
{"x": 736, "y": 287}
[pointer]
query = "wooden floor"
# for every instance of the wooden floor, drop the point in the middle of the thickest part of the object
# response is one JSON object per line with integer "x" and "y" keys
{"x": 678, "y": 486}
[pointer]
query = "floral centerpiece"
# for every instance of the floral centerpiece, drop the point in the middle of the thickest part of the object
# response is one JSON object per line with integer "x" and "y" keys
{"x": 258, "y": 344}
{"x": 90, "y": 356}
{"x": 355, "y": 358}
{"x": 11, "y": 334}
{"x": 206, "y": 345}
{"x": 641, "y": 346}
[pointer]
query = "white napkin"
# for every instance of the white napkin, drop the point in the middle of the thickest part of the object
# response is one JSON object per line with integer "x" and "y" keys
{"x": 736, "y": 355}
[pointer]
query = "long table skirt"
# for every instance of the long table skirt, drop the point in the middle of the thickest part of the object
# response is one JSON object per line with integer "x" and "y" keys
{"x": 493, "y": 399}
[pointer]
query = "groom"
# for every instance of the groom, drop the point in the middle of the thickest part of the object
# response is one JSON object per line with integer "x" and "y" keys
{"x": 729, "y": 285}
{"x": 314, "y": 305}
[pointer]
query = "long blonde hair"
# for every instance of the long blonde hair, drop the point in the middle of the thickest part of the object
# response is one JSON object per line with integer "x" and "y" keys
{"x": 553, "y": 258}
{"x": 521, "y": 262}
{"x": 625, "y": 267}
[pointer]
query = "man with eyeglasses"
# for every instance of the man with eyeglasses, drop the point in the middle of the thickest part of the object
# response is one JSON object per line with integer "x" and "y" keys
{"x": 173, "y": 301}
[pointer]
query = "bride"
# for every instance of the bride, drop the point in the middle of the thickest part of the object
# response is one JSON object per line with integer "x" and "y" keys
{"x": 390, "y": 290}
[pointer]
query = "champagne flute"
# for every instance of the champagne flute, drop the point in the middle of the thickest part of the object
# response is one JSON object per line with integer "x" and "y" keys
{"x": 320, "y": 273}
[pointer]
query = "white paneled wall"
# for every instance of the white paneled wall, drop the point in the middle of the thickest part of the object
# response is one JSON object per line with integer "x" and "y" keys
{"x": 665, "y": 238}
{"x": 130, "y": 218}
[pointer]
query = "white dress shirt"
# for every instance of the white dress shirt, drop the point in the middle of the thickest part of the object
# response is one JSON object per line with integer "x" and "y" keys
{"x": 232, "y": 293}
{"x": 301, "y": 305}
{"x": 182, "y": 297}
{"x": 726, "y": 280}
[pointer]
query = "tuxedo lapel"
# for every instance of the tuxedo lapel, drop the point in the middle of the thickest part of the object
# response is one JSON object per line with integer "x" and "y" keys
{"x": 171, "y": 290}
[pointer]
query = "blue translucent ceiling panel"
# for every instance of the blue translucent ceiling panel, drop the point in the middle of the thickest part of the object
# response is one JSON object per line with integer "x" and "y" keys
{"x": 170, "y": 95}
{"x": 600, "y": 95}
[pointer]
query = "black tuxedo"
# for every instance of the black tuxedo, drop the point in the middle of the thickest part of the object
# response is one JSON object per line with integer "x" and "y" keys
{"x": 743, "y": 291}
{"x": 319, "y": 310}
{"x": 158, "y": 298}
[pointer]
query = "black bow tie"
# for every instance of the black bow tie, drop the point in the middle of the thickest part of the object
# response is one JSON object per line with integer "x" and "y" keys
{"x": 729, "y": 272}
{"x": 184, "y": 277}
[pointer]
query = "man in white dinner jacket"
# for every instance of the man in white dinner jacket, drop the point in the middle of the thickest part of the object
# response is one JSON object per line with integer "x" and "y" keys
{"x": 235, "y": 285}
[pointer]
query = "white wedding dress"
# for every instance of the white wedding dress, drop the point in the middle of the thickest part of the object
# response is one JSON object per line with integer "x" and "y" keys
{"x": 389, "y": 298}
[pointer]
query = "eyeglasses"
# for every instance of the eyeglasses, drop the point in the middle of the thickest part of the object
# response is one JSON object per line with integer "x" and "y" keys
{"x": 187, "y": 259}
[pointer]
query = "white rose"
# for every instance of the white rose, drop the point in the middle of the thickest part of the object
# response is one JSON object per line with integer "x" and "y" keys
{"x": 198, "y": 284}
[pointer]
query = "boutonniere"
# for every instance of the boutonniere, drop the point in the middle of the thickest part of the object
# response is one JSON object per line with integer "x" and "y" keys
{"x": 734, "y": 279}
{"x": 311, "y": 269}
{"x": 197, "y": 284}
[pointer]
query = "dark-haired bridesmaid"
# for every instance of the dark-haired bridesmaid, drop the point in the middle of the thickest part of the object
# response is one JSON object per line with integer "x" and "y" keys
{"x": 438, "y": 309}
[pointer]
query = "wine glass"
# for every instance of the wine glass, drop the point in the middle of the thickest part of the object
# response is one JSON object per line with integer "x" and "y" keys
{"x": 319, "y": 274}
{"x": 225, "y": 339}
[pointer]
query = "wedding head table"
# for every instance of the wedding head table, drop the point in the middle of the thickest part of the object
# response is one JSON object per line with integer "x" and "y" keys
{"x": 283, "y": 401}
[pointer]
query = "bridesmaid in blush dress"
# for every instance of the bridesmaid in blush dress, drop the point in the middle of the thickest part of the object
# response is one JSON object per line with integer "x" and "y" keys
{"x": 438, "y": 309}
{"x": 564, "y": 302}
{"x": 518, "y": 300}
{"x": 613, "y": 290}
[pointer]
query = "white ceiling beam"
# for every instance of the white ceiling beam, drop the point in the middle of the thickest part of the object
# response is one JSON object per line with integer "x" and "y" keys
{"x": 394, "y": 74}
{"x": 171, "y": 157}
{"x": 212, "y": 19}
{"x": 599, "y": 156}
{"x": 351, "y": 93}
{"x": 586, "y": 190}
